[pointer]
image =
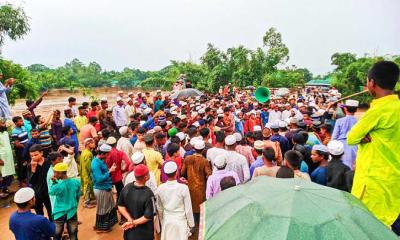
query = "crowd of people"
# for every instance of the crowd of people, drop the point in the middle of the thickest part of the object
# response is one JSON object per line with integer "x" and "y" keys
{"x": 148, "y": 162}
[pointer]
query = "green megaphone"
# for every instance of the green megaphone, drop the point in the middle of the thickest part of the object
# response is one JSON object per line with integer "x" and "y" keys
{"x": 262, "y": 94}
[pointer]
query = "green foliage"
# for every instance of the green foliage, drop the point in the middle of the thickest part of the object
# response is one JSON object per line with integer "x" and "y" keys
{"x": 24, "y": 86}
{"x": 351, "y": 73}
{"x": 13, "y": 23}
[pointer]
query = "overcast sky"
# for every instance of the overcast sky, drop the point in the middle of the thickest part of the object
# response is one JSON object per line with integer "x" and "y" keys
{"x": 147, "y": 34}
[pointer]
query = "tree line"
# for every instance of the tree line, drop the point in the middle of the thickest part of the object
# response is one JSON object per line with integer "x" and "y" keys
{"x": 264, "y": 66}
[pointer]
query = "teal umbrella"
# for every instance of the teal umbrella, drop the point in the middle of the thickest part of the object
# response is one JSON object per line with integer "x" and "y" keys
{"x": 274, "y": 208}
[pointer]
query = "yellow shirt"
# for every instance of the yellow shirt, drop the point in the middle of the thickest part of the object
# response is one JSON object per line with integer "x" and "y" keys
{"x": 154, "y": 160}
{"x": 80, "y": 121}
{"x": 377, "y": 175}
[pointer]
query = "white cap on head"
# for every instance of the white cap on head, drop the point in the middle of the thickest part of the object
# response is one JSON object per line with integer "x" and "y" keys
{"x": 257, "y": 128}
{"x": 335, "y": 147}
{"x": 130, "y": 93}
{"x": 282, "y": 124}
{"x": 157, "y": 129}
{"x": 182, "y": 117}
{"x": 220, "y": 161}
{"x": 238, "y": 136}
{"x": 105, "y": 148}
{"x": 230, "y": 140}
{"x": 119, "y": 99}
{"x": 320, "y": 147}
{"x": 139, "y": 93}
{"x": 202, "y": 111}
{"x": 120, "y": 92}
{"x": 181, "y": 136}
{"x": 123, "y": 130}
{"x": 199, "y": 145}
{"x": 351, "y": 103}
{"x": 184, "y": 104}
{"x": 220, "y": 111}
{"x": 23, "y": 195}
{"x": 111, "y": 140}
{"x": 174, "y": 113}
{"x": 169, "y": 123}
{"x": 103, "y": 99}
{"x": 137, "y": 157}
{"x": 170, "y": 167}
{"x": 147, "y": 111}
{"x": 259, "y": 144}
{"x": 196, "y": 124}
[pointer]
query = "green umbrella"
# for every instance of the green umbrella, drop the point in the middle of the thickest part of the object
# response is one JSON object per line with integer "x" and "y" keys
{"x": 274, "y": 208}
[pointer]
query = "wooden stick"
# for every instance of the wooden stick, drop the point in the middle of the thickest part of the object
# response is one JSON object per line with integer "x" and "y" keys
{"x": 352, "y": 95}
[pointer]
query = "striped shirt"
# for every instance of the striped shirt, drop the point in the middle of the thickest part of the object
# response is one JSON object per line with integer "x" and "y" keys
{"x": 19, "y": 134}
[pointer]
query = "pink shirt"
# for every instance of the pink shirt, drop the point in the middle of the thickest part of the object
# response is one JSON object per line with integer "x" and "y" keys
{"x": 246, "y": 152}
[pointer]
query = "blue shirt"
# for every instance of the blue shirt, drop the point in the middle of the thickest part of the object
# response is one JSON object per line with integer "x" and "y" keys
{"x": 319, "y": 175}
{"x": 342, "y": 127}
{"x": 283, "y": 141}
{"x": 69, "y": 122}
{"x": 257, "y": 163}
{"x": 304, "y": 167}
{"x": 100, "y": 175}
{"x": 264, "y": 117}
{"x": 29, "y": 226}
{"x": 312, "y": 139}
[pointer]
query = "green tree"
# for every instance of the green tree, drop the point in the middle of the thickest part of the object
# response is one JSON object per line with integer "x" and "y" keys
{"x": 13, "y": 23}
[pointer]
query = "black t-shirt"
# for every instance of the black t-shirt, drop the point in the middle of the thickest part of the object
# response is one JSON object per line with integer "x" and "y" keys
{"x": 139, "y": 201}
{"x": 38, "y": 180}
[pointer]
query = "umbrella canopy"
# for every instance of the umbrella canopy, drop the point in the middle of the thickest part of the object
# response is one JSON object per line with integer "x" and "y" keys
{"x": 273, "y": 208}
{"x": 185, "y": 93}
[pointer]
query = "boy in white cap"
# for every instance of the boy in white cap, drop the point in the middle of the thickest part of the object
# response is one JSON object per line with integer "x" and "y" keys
{"x": 138, "y": 158}
{"x": 124, "y": 144}
{"x": 119, "y": 114}
{"x": 106, "y": 212}
{"x": 26, "y": 225}
{"x": 213, "y": 181}
{"x": 320, "y": 155}
{"x": 342, "y": 127}
{"x": 336, "y": 170}
{"x": 174, "y": 206}
{"x": 236, "y": 161}
{"x": 196, "y": 169}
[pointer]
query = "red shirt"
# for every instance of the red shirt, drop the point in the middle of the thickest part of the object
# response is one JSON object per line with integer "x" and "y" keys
{"x": 116, "y": 156}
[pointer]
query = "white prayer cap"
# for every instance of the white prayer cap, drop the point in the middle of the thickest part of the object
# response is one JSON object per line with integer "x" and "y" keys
{"x": 169, "y": 123}
{"x": 151, "y": 131}
{"x": 199, "y": 145}
{"x": 129, "y": 100}
{"x": 147, "y": 111}
{"x": 335, "y": 147}
{"x": 174, "y": 113}
{"x": 158, "y": 91}
{"x": 173, "y": 108}
{"x": 259, "y": 144}
{"x": 139, "y": 93}
{"x": 196, "y": 124}
{"x": 230, "y": 140}
{"x": 238, "y": 136}
{"x": 220, "y": 111}
{"x": 119, "y": 92}
{"x": 181, "y": 136}
{"x": 103, "y": 99}
{"x": 351, "y": 103}
{"x": 257, "y": 128}
{"x": 198, "y": 108}
{"x": 182, "y": 117}
{"x": 24, "y": 195}
{"x": 282, "y": 124}
{"x": 197, "y": 97}
{"x": 130, "y": 93}
{"x": 184, "y": 104}
{"x": 202, "y": 111}
{"x": 170, "y": 167}
{"x": 194, "y": 140}
{"x": 105, "y": 148}
{"x": 220, "y": 161}
{"x": 157, "y": 129}
{"x": 194, "y": 114}
{"x": 87, "y": 140}
{"x": 220, "y": 115}
{"x": 137, "y": 157}
{"x": 111, "y": 140}
{"x": 119, "y": 99}
{"x": 320, "y": 147}
{"x": 300, "y": 104}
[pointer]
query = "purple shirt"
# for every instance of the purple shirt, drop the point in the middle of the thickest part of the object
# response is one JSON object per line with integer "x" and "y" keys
{"x": 213, "y": 181}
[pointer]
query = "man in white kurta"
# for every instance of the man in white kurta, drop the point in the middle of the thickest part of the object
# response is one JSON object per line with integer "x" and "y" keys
{"x": 6, "y": 155}
{"x": 174, "y": 207}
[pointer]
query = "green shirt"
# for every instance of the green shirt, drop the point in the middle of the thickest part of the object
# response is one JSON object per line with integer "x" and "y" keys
{"x": 377, "y": 175}
{"x": 67, "y": 193}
